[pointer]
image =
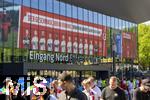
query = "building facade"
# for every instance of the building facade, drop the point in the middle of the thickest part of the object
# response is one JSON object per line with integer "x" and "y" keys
{"x": 46, "y": 36}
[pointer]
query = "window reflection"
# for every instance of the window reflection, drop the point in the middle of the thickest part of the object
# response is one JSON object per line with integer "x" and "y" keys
{"x": 69, "y": 10}
{"x": 10, "y": 17}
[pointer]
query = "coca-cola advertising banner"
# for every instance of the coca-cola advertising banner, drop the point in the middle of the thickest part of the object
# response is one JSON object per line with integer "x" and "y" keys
{"x": 40, "y": 30}
{"x": 129, "y": 45}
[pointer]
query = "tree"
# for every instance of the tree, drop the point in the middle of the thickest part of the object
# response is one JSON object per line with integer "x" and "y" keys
{"x": 144, "y": 45}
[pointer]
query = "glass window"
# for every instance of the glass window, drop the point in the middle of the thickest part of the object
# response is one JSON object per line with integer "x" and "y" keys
{"x": 35, "y": 4}
{"x": 16, "y": 1}
{"x": 133, "y": 26}
{"x": 104, "y": 20}
{"x": 63, "y": 9}
{"x": 27, "y": 3}
{"x": 95, "y": 17}
{"x": 74, "y": 10}
{"x": 120, "y": 24}
{"x": 112, "y": 22}
{"x": 85, "y": 16}
{"x": 56, "y": 7}
{"x": 80, "y": 13}
{"x": 116, "y": 23}
{"x": 42, "y": 4}
{"x": 13, "y": 1}
{"x": 49, "y": 5}
{"x": 123, "y": 25}
{"x": 108, "y": 21}
{"x": 91, "y": 16}
{"x": 127, "y": 26}
{"x": 69, "y": 10}
{"x": 100, "y": 19}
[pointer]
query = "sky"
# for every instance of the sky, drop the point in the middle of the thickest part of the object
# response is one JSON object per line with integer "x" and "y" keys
{"x": 147, "y": 23}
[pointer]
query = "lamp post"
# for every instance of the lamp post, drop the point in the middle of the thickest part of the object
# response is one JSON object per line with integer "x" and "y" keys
{"x": 113, "y": 54}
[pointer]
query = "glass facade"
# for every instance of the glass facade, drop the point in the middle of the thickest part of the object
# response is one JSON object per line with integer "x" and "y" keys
{"x": 49, "y": 26}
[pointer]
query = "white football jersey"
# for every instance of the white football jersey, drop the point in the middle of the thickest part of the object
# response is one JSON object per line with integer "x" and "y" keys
{"x": 80, "y": 48}
{"x": 63, "y": 46}
{"x": 69, "y": 47}
{"x": 34, "y": 42}
{"x": 86, "y": 48}
{"x": 42, "y": 43}
{"x": 26, "y": 42}
{"x": 91, "y": 49}
{"x": 50, "y": 45}
{"x": 75, "y": 47}
{"x": 56, "y": 45}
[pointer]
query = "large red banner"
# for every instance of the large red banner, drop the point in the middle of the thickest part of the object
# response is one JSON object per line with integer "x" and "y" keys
{"x": 40, "y": 30}
{"x": 129, "y": 46}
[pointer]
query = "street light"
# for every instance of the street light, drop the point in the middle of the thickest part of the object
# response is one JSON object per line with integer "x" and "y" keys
{"x": 113, "y": 54}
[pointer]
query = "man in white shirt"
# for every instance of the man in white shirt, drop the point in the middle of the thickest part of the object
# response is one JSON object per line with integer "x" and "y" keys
{"x": 91, "y": 95}
{"x": 80, "y": 47}
{"x": 34, "y": 41}
{"x": 50, "y": 43}
{"x": 86, "y": 47}
{"x": 42, "y": 41}
{"x": 69, "y": 45}
{"x": 95, "y": 88}
{"x": 91, "y": 48}
{"x": 63, "y": 44}
{"x": 75, "y": 46}
{"x": 26, "y": 39}
{"x": 56, "y": 44}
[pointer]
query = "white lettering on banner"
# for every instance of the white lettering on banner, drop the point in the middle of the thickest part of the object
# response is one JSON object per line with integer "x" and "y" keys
{"x": 126, "y": 36}
{"x": 60, "y": 24}
{"x": 49, "y": 57}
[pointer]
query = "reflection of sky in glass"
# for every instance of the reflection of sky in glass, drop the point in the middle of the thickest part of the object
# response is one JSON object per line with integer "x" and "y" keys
{"x": 120, "y": 24}
{"x": 35, "y": 4}
{"x": 123, "y": 24}
{"x": 74, "y": 12}
{"x": 69, "y": 10}
{"x": 112, "y": 23}
{"x": 95, "y": 17}
{"x": 108, "y": 21}
{"x": 90, "y": 16}
{"x": 116, "y": 23}
{"x": 56, "y": 7}
{"x": 100, "y": 19}
{"x": 62, "y": 9}
{"x": 49, "y": 5}
{"x": 10, "y": 8}
{"x": 74, "y": 15}
{"x": 85, "y": 15}
{"x": 80, "y": 13}
{"x": 42, "y": 5}
{"x": 104, "y": 20}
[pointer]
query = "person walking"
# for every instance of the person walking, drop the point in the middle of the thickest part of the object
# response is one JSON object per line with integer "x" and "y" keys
{"x": 94, "y": 87}
{"x": 142, "y": 92}
{"x": 113, "y": 91}
{"x": 70, "y": 91}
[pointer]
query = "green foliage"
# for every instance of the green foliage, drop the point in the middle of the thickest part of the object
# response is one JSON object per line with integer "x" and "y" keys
{"x": 144, "y": 45}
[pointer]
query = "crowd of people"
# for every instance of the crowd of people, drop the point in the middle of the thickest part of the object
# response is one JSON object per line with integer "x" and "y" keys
{"x": 65, "y": 88}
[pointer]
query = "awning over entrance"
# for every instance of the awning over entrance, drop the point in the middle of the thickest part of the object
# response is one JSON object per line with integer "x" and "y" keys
{"x": 136, "y": 11}
{"x": 65, "y": 67}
